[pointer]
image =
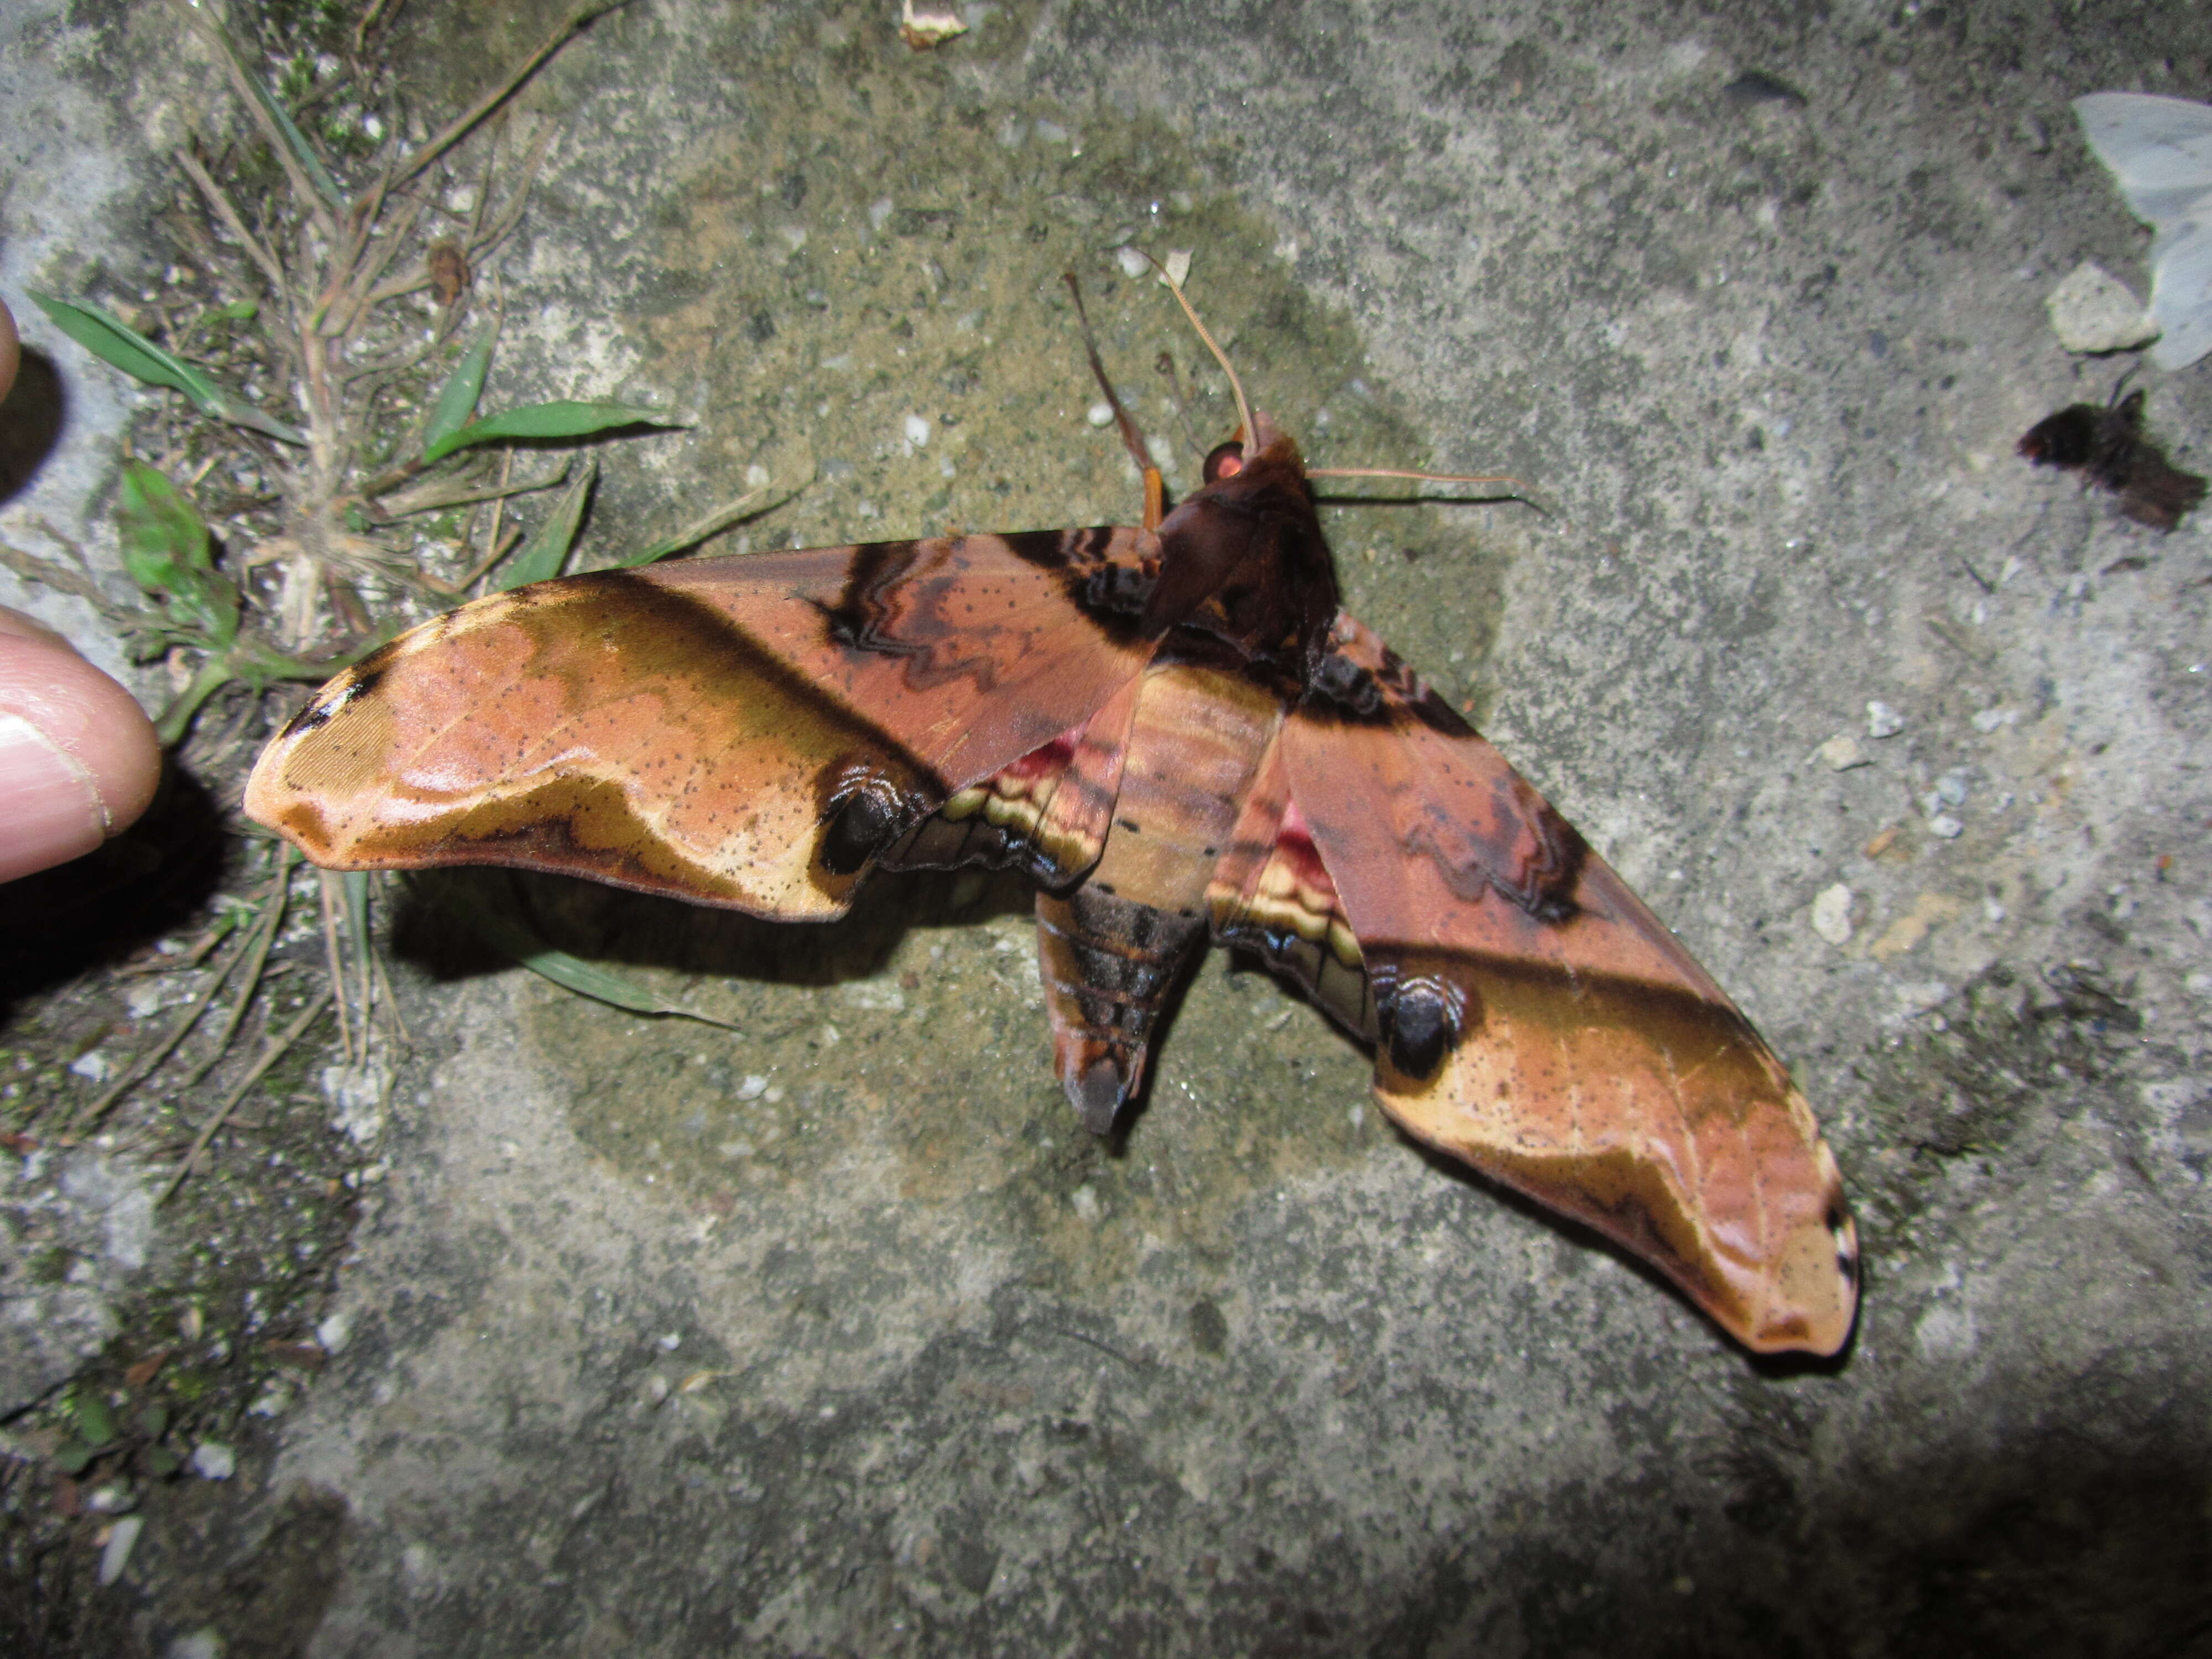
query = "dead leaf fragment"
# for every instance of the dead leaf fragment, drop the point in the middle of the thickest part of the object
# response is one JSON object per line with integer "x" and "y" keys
{"x": 146, "y": 1369}
{"x": 449, "y": 272}
{"x": 1930, "y": 911}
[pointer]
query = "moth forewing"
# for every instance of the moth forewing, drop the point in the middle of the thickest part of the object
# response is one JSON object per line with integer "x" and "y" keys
{"x": 1181, "y": 737}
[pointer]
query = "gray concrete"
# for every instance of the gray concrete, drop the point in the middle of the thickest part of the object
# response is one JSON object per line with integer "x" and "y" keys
{"x": 837, "y": 1337}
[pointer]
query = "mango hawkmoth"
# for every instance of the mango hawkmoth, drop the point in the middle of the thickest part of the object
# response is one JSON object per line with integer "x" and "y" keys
{"x": 1179, "y": 734}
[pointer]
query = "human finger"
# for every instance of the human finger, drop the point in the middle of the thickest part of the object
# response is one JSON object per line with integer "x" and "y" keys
{"x": 78, "y": 757}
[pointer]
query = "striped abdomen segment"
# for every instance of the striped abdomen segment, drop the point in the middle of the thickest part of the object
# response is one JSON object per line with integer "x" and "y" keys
{"x": 1114, "y": 950}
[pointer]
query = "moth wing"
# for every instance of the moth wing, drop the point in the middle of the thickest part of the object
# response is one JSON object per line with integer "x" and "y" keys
{"x": 2160, "y": 152}
{"x": 2159, "y": 149}
{"x": 2181, "y": 287}
{"x": 1046, "y": 814}
{"x": 1272, "y": 895}
{"x": 752, "y": 731}
{"x": 1534, "y": 1018}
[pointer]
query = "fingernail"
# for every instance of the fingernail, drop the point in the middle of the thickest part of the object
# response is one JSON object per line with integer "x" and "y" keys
{"x": 49, "y": 803}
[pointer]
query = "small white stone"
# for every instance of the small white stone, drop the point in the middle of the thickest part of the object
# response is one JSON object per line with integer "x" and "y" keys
{"x": 752, "y": 1088}
{"x": 1178, "y": 265}
{"x": 1832, "y": 915}
{"x": 1084, "y": 1203}
{"x": 1882, "y": 721}
{"x": 122, "y": 1539}
{"x": 1132, "y": 262}
{"x": 2092, "y": 310}
{"x": 92, "y": 1067}
{"x": 879, "y": 212}
{"x": 917, "y": 431}
{"x": 1100, "y": 414}
{"x": 1945, "y": 825}
{"x": 213, "y": 1461}
{"x": 333, "y": 1334}
{"x": 1989, "y": 720}
{"x": 1842, "y": 752}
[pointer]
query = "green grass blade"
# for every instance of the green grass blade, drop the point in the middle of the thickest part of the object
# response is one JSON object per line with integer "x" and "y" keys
{"x": 562, "y": 419}
{"x": 457, "y": 398}
{"x": 294, "y": 140}
{"x": 545, "y": 555}
{"x": 116, "y": 342}
{"x": 512, "y": 937}
{"x": 747, "y": 505}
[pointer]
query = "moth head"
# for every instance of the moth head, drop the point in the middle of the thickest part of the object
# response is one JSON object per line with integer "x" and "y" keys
{"x": 1266, "y": 441}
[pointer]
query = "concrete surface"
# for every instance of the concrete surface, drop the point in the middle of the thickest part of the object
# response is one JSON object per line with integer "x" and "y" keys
{"x": 838, "y": 1337}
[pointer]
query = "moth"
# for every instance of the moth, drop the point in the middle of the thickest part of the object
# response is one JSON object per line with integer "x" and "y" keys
{"x": 1180, "y": 735}
{"x": 2159, "y": 151}
{"x": 2107, "y": 447}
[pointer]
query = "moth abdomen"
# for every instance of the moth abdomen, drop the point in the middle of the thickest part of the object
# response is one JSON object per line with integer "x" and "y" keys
{"x": 1109, "y": 965}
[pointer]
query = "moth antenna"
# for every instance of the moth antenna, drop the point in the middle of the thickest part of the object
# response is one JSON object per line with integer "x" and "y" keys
{"x": 1132, "y": 440}
{"x": 1418, "y": 478}
{"x": 1520, "y": 491}
{"x": 1236, "y": 385}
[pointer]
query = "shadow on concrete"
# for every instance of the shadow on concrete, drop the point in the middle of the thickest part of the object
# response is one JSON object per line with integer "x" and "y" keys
{"x": 31, "y": 421}
{"x": 156, "y": 878}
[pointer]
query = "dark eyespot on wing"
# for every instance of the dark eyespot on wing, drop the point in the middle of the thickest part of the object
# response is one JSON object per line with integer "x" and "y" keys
{"x": 1340, "y": 689}
{"x": 865, "y": 809}
{"x": 1113, "y": 597}
{"x": 1424, "y": 1018}
{"x": 358, "y": 681}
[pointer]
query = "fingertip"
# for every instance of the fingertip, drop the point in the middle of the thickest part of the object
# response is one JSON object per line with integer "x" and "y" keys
{"x": 79, "y": 761}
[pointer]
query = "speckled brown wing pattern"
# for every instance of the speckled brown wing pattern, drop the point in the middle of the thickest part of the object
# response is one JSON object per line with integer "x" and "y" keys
{"x": 751, "y": 731}
{"x": 1534, "y": 1018}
